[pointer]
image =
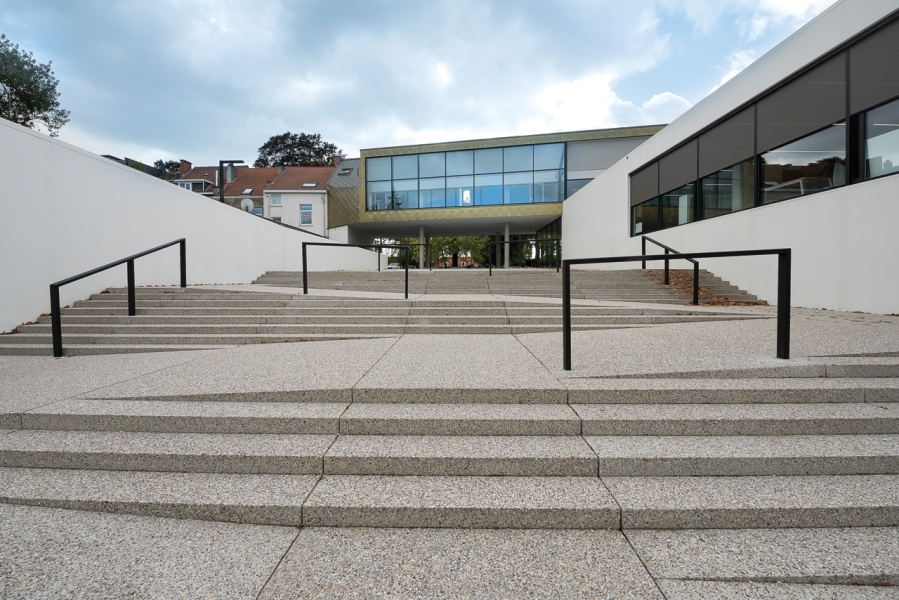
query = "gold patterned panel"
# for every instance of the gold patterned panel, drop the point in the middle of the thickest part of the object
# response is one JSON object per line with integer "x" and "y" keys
{"x": 463, "y": 212}
{"x": 343, "y": 206}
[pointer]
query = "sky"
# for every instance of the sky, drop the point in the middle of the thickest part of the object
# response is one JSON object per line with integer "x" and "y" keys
{"x": 209, "y": 80}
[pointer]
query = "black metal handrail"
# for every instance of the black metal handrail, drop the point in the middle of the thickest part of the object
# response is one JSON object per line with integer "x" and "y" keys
{"x": 667, "y": 279}
{"x": 56, "y": 317}
{"x": 558, "y": 242}
{"x": 405, "y": 247}
{"x": 783, "y": 290}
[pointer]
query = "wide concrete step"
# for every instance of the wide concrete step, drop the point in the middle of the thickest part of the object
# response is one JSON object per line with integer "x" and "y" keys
{"x": 676, "y": 456}
{"x": 172, "y": 452}
{"x": 308, "y": 332}
{"x": 46, "y": 349}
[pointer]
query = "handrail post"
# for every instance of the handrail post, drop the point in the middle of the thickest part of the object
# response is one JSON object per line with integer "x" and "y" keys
{"x": 406, "y": 254}
{"x": 56, "y": 320}
{"x": 566, "y": 316}
{"x": 667, "y": 280}
{"x": 378, "y": 254}
{"x": 183, "y": 249}
{"x": 643, "y": 249}
{"x": 132, "y": 309}
{"x": 305, "y": 281}
{"x": 558, "y": 254}
{"x": 783, "y": 304}
{"x": 695, "y": 283}
{"x": 490, "y": 258}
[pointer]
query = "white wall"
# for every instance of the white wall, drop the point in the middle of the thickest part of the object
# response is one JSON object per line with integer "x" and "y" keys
{"x": 289, "y": 209}
{"x": 844, "y": 241}
{"x": 64, "y": 211}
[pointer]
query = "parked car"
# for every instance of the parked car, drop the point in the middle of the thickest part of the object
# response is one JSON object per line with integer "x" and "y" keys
{"x": 394, "y": 266}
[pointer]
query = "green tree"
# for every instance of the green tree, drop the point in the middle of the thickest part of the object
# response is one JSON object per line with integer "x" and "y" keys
{"x": 30, "y": 97}
{"x": 297, "y": 150}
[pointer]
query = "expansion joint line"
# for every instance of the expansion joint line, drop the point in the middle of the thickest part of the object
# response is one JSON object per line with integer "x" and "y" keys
{"x": 637, "y": 554}
{"x": 280, "y": 560}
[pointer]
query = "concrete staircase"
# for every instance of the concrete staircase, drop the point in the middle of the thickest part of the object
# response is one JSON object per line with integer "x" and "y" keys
{"x": 798, "y": 451}
{"x": 196, "y": 318}
{"x": 633, "y": 285}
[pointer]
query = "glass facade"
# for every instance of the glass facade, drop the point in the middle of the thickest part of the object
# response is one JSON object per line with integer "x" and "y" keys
{"x": 483, "y": 177}
{"x": 677, "y": 206}
{"x": 729, "y": 190}
{"x": 811, "y": 164}
{"x": 882, "y": 140}
{"x": 645, "y": 217}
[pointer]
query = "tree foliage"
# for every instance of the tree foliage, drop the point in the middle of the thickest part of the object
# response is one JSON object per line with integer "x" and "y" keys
{"x": 297, "y": 150}
{"x": 32, "y": 98}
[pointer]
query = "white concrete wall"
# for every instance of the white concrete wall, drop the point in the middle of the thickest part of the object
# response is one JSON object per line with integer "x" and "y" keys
{"x": 64, "y": 211}
{"x": 845, "y": 241}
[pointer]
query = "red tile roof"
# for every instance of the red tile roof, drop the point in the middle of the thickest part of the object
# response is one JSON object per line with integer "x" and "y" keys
{"x": 201, "y": 173}
{"x": 293, "y": 178}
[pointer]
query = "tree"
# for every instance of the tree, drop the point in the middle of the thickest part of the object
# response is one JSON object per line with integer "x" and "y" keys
{"x": 297, "y": 150}
{"x": 30, "y": 97}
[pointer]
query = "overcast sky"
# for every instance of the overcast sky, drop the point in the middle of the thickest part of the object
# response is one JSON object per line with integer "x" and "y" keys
{"x": 212, "y": 80}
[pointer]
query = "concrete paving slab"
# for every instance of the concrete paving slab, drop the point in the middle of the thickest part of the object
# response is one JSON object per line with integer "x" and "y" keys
{"x": 756, "y": 502}
{"x": 459, "y": 563}
{"x": 738, "y": 419}
{"x": 187, "y": 416}
{"x": 54, "y": 553}
{"x": 670, "y": 456}
{"x": 260, "y": 499}
{"x": 182, "y": 452}
{"x": 460, "y": 419}
{"x": 727, "y": 590}
{"x": 497, "y": 369}
{"x": 461, "y": 502}
{"x": 853, "y": 556}
{"x": 311, "y": 372}
{"x": 518, "y": 456}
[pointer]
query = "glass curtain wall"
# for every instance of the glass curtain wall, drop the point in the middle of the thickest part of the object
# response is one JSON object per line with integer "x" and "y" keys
{"x": 729, "y": 190}
{"x": 645, "y": 217}
{"x": 811, "y": 164}
{"x": 882, "y": 140}
{"x": 677, "y": 206}
{"x": 488, "y": 176}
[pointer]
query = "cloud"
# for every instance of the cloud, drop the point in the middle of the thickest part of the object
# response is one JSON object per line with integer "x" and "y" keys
{"x": 737, "y": 61}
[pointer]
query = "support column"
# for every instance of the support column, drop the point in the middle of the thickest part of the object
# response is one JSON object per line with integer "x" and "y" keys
{"x": 506, "y": 248}
{"x": 421, "y": 246}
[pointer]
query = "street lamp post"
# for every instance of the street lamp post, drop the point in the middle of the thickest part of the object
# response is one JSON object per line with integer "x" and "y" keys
{"x": 222, "y": 164}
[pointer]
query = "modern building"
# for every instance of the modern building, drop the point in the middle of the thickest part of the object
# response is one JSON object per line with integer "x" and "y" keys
{"x": 800, "y": 151}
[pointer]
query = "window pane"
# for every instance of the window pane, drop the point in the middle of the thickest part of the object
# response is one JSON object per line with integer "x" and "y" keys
{"x": 549, "y": 156}
{"x": 874, "y": 70}
{"x": 488, "y": 161}
{"x": 460, "y": 163}
{"x": 645, "y": 184}
{"x": 276, "y": 199}
{"x": 548, "y": 186}
{"x": 574, "y": 185}
{"x": 432, "y": 192}
{"x": 517, "y": 188}
{"x": 882, "y": 140}
{"x": 812, "y": 164}
{"x": 405, "y": 194}
{"x": 646, "y": 217}
{"x": 728, "y": 190}
{"x": 405, "y": 167}
{"x": 460, "y": 191}
{"x": 728, "y": 142}
{"x": 518, "y": 158}
{"x": 679, "y": 167}
{"x": 305, "y": 214}
{"x": 431, "y": 165}
{"x": 377, "y": 169}
{"x": 378, "y": 197}
{"x": 677, "y": 206}
{"x": 488, "y": 189}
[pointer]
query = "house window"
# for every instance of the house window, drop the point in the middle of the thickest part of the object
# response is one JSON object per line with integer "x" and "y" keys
{"x": 276, "y": 199}
{"x": 305, "y": 214}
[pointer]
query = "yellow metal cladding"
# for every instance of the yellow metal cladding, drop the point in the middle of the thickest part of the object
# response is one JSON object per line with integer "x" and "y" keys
{"x": 343, "y": 206}
{"x": 475, "y": 212}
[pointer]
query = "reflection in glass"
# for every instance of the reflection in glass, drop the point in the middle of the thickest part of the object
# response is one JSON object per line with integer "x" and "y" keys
{"x": 882, "y": 140}
{"x": 488, "y": 189}
{"x": 574, "y": 185}
{"x": 431, "y": 165}
{"x": 378, "y": 195}
{"x": 517, "y": 188}
{"x": 377, "y": 169}
{"x": 677, "y": 206}
{"x": 432, "y": 192}
{"x": 460, "y": 191}
{"x": 548, "y": 186}
{"x": 812, "y": 164}
{"x": 460, "y": 163}
{"x": 549, "y": 156}
{"x": 489, "y": 160}
{"x": 728, "y": 190}
{"x": 405, "y": 167}
{"x": 404, "y": 195}
{"x": 518, "y": 158}
{"x": 645, "y": 217}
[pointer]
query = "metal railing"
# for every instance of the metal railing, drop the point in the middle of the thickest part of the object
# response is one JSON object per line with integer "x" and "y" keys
{"x": 667, "y": 278}
{"x": 783, "y": 290}
{"x": 558, "y": 243}
{"x": 405, "y": 248}
{"x": 56, "y": 317}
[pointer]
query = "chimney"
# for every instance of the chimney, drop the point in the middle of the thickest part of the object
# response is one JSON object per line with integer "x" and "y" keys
{"x": 185, "y": 168}
{"x": 336, "y": 160}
